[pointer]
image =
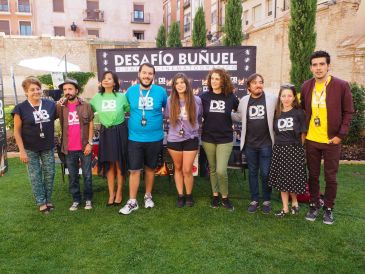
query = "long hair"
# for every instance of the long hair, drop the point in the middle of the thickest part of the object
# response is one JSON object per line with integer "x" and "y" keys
{"x": 190, "y": 107}
{"x": 115, "y": 79}
{"x": 226, "y": 83}
{"x": 279, "y": 105}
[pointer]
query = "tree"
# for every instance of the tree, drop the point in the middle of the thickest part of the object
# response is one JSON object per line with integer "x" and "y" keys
{"x": 173, "y": 38}
{"x": 161, "y": 37}
{"x": 302, "y": 39}
{"x": 233, "y": 24}
{"x": 81, "y": 77}
{"x": 199, "y": 29}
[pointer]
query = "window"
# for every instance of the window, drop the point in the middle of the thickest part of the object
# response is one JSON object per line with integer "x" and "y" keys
{"x": 168, "y": 15}
{"x": 187, "y": 22}
{"x": 92, "y": 5}
{"x": 23, "y": 6}
{"x": 59, "y": 31}
{"x": 4, "y": 5}
{"x": 245, "y": 17}
{"x": 214, "y": 15}
{"x": 138, "y": 13}
{"x": 5, "y": 27}
{"x": 25, "y": 28}
{"x": 93, "y": 32}
{"x": 139, "y": 35}
{"x": 178, "y": 10}
{"x": 269, "y": 7}
{"x": 286, "y": 4}
{"x": 58, "y": 6}
{"x": 256, "y": 13}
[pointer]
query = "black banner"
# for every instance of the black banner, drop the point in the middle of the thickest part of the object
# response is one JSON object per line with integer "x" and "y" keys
{"x": 240, "y": 62}
{"x": 3, "y": 157}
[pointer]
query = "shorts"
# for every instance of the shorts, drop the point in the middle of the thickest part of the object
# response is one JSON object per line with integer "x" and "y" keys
{"x": 187, "y": 145}
{"x": 142, "y": 154}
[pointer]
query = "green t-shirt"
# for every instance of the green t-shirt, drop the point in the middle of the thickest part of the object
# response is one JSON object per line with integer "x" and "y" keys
{"x": 111, "y": 108}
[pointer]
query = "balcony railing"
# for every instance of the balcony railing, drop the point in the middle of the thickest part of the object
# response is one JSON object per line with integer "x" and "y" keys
{"x": 94, "y": 15}
{"x": 140, "y": 18}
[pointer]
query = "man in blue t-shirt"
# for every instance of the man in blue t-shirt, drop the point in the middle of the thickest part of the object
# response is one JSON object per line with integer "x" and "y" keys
{"x": 145, "y": 129}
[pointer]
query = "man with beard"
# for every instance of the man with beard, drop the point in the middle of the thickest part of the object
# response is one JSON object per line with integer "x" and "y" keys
{"x": 76, "y": 118}
{"x": 145, "y": 129}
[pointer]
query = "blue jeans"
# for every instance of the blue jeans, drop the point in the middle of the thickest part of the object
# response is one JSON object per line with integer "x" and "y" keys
{"x": 72, "y": 162}
{"x": 41, "y": 172}
{"x": 259, "y": 158}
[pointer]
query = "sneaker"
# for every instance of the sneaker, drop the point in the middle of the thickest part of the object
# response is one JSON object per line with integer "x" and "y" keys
{"x": 148, "y": 203}
{"x": 281, "y": 214}
{"x": 128, "y": 208}
{"x": 266, "y": 207}
{"x": 312, "y": 213}
{"x": 180, "y": 201}
{"x": 328, "y": 216}
{"x": 252, "y": 208}
{"x": 215, "y": 202}
{"x": 189, "y": 201}
{"x": 88, "y": 205}
{"x": 74, "y": 206}
{"x": 226, "y": 203}
{"x": 294, "y": 210}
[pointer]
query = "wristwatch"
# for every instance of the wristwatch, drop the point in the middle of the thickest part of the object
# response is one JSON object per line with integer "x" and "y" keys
{"x": 90, "y": 143}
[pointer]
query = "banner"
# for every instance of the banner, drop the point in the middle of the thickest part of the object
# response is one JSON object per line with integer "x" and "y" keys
{"x": 3, "y": 156}
{"x": 240, "y": 62}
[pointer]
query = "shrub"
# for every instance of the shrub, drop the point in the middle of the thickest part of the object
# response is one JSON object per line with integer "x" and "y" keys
{"x": 9, "y": 120}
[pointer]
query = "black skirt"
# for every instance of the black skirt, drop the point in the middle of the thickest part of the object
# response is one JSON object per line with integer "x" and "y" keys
{"x": 113, "y": 147}
{"x": 287, "y": 170}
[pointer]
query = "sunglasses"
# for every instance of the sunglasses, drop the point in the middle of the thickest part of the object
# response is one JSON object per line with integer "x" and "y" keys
{"x": 287, "y": 85}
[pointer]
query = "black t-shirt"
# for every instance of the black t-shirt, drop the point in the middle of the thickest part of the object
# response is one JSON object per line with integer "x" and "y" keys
{"x": 257, "y": 130}
{"x": 217, "y": 124}
{"x": 289, "y": 126}
{"x": 31, "y": 125}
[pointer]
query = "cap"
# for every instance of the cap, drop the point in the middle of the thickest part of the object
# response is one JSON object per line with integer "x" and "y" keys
{"x": 70, "y": 81}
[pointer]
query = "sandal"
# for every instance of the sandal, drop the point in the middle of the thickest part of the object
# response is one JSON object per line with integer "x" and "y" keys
{"x": 281, "y": 214}
{"x": 50, "y": 207}
{"x": 44, "y": 210}
{"x": 295, "y": 210}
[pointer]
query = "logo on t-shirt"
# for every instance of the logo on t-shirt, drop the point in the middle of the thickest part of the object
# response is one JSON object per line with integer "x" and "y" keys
{"x": 147, "y": 103}
{"x": 41, "y": 116}
{"x": 217, "y": 106}
{"x": 108, "y": 105}
{"x": 73, "y": 118}
{"x": 285, "y": 124}
{"x": 256, "y": 112}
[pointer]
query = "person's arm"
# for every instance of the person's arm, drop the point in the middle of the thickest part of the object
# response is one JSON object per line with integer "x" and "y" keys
{"x": 237, "y": 116}
{"x": 89, "y": 147}
{"x": 18, "y": 138}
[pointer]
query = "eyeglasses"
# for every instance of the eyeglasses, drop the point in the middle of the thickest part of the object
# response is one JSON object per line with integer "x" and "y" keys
{"x": 287, "y": 85}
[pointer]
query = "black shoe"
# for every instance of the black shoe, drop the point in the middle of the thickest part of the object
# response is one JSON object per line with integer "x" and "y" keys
{"x": 226, "y": 203}
{"x": 215, "y": 202}
{"x": 281, "y": 214}
{"x": 328, "y": 216}
{"x": 189, "y": 200}
{"x": 180, "y": 201}
{"x": 294, "y": 210}
{"x": 312, "y": 213}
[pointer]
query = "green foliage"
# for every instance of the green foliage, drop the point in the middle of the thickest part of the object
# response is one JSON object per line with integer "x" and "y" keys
{"x": 161, "y": 37}
{"x": 302, "y": 39}
{"x": 233, "y": 24}
{"x": 81, "y": 77}
{"x": 9, "y": 120}
{"x": 173, "y": 38}
{"x": 358, "y": 119}
{"x": 199, "y": 29}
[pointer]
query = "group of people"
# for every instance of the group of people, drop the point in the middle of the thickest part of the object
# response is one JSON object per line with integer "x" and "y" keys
{"x": 274, "y": 130}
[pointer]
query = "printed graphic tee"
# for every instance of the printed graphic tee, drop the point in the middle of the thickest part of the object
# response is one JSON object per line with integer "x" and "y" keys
{"x": 74, "y": 134}
{"x": 289, "y": 126}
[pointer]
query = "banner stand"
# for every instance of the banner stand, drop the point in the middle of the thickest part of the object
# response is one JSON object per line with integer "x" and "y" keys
{"x": 3, "y": 150}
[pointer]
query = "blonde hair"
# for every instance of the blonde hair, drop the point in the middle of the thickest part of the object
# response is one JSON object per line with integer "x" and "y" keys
{"x": 30, "y": 80}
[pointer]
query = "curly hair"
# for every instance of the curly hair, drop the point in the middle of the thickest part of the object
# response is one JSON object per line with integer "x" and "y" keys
{"x": 190, "y": 107}
{"x": 226, "y": 83}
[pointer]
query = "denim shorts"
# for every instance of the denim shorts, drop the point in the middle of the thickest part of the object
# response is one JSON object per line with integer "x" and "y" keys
{"x": 186, "y": 145}
{"x": 142, "y": 154}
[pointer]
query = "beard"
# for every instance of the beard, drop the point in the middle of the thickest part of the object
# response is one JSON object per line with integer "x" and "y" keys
{"x": 145, "y": 85}
{"x": 70, "y": 97}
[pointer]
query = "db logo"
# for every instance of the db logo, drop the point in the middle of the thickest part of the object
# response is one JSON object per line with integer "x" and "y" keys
{"x": 217, "y": 105}
{"x": 234, "y": 80}
{"x": 145, "y": 102}
{"x": 256, "y": 111}
{"x": 162, "y": 80}
{"x": 108, "y": 105}
{"x": 73, "y": 118}
{"x": 40, "y": 116}
{"x": 285, "y": 123}
{"x": 1, "y": 110}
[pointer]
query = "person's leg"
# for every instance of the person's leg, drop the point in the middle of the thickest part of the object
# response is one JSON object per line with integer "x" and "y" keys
{"x": 72, "y": 162}
{"x": 86, "y": 173}
{"x": 35, "y": 177}
{"x": 314, "y": 156}
{"x": 120, "y": 180}
{"x": 222, "y": 157}
{"x": 252, "y": 158}
{"x": 149, "y": 179}
{"x": 331, "y": 157}
{"x": 134, "y": 179}
{"x": 265, "y": 161}
{"x": 188, "y": 160}
{"x": 151, "y": 153}
{"x": 177, "y": 158}
{"x": 110, "y": 176}
{"x": 285, "y": 201}
{"x": 48, "y": 170}
{"x": 210, "y": 152}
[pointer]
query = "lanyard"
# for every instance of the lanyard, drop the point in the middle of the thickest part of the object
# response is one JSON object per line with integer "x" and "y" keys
{"x": 320, "y": 96}
{"x": 181, "y": 118}
{"x": 143, "y": 100}
{"x": 39, "y": 113}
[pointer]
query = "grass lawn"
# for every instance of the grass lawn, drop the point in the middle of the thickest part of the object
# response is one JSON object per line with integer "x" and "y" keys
{"x": 171, "y": 240}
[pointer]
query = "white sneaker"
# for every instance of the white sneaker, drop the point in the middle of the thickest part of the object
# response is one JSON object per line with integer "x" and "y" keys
{"x": 74, "y": 207}
{"x": 88, "y": 205}
{"x": 128, "y": 208}
{"x": 148, "y": 203}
